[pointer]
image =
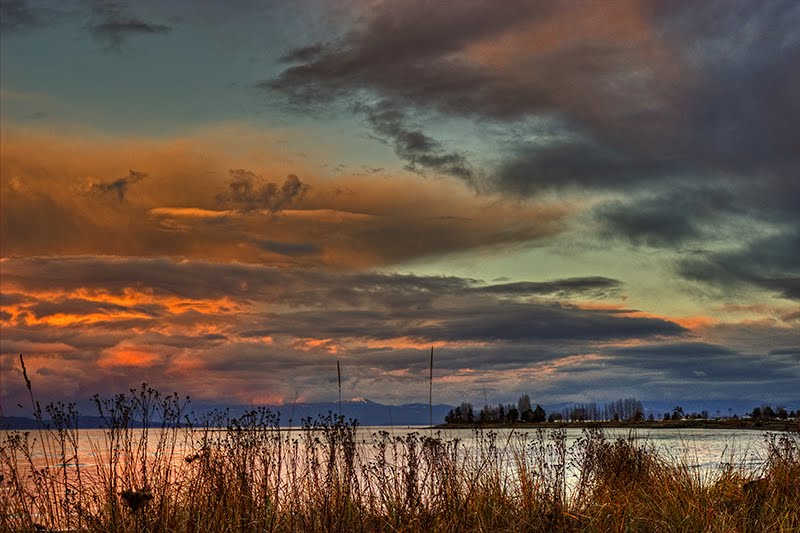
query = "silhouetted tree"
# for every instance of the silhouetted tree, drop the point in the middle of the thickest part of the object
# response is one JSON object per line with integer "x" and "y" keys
{"x": 623, "y": 409}
{"x": 538, "y": 414}
{"x": 578, "y": 414}
{"x": 488, "y": 414}
{"x": 524, "y": 403}
{"x": 512, "y": 415}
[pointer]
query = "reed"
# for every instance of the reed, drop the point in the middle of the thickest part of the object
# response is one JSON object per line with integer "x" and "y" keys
{"x": 159, "y": 467}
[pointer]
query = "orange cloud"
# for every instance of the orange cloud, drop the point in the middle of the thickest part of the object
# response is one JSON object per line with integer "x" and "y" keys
{"x": 404, "y": 343}
{"x": 122, "y": 305}
{"x": 308, "y": 344}
{"x": 127, "y": 356}
{"x": 160, "y": 198}
{"x": 688, "y": 322}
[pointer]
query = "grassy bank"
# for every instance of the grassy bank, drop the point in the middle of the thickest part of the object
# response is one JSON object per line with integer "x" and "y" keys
{"x": 217, "y": 473}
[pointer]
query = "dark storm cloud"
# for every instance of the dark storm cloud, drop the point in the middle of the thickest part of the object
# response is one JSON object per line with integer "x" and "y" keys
{"x": 679, "y": 352}
{"x": 378, "y": 306}
{"x": 478, "y": 321}
{"x": 119, "y": 186}
{"x": 644, "y": 97}
{"x": 531, "y": 169}
{"x": 304, "y": 287}
{"x": 113, "y": 23}
{"x": 400, "y": 37}
{"x": 512, "y": 321}
{"x": 701, "y": 93}
{"x": 702, "y": 361}
{"x": 668, "y": 219}
{"x": 400, "y": 55}
{"x": 496, "y": 357}
{"x": 770, "y": 262}
{"x": 246, "y": 194}
{"x": 786, "y": 351}
{"x": 680, "y": 92}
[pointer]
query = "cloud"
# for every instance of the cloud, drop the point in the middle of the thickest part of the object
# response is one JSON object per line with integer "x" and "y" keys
{"x": 217, "y": 329}
{"x": 420, "y": 151}
{"x": 684, "y": 116}
{"x": 641, "y": 87}
{"x": 112, "y": 23}
{"x": 289, "y": 248}
{"x": 119, "y": 186}
{"x": 246, "y": 195}
{"x": 203, "y": 280}
{"x": 164, "y": 320}
{"x": 16, "y": 15}
{"x": 488, "y": 322}
{"x": 703, "y": 361}
{"x": 771, "y": 262}
{"x": 198, "y": 208}
{"x": 669, "y": 219}
{"x": 596, "y": 286}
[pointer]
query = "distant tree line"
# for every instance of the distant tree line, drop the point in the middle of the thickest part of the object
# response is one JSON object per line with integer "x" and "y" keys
{"x": 624, "y": 409}
{"x": 501, "y": 413}
{"x": 629, "y": 409}
{"x": 766, "y": 412}
{"x": 524, "y": 410}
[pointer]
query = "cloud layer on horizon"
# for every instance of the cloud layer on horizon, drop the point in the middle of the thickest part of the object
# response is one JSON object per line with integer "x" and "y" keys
{"x": 231, "y": 330}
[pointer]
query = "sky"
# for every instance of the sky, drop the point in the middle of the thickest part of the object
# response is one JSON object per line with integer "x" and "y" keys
{"x": 580, "y": 201}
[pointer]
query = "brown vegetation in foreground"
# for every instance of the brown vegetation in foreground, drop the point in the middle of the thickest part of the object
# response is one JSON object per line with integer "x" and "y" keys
{"x": 246, "y": 474}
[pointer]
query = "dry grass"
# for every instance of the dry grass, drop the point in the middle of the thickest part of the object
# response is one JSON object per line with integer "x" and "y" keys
{"x": 245, "y": 474}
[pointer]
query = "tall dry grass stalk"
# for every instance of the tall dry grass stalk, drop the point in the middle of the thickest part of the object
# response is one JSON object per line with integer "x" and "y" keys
{"x": 430, "y": 391}
{"x": 339, "y": 380}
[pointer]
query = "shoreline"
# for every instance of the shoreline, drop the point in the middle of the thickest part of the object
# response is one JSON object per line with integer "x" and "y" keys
{"x": 731, "y": 424}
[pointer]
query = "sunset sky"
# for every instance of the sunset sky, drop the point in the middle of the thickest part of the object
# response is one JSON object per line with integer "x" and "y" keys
{"x": 576, "y": 200}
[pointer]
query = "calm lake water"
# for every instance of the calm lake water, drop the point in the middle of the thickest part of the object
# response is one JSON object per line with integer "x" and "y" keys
{"x": 702, "y": 449}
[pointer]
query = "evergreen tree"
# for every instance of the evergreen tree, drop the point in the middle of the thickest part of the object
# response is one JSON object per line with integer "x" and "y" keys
{"x": 538, "y": 414}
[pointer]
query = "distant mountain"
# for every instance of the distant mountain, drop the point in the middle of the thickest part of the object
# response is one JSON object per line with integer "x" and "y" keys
{"x": 367, "y": 412}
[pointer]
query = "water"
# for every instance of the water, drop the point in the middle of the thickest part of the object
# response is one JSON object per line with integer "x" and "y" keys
{"x": 702, "y": 449}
